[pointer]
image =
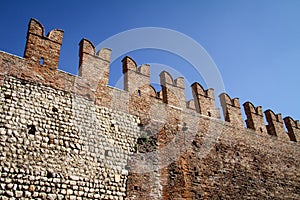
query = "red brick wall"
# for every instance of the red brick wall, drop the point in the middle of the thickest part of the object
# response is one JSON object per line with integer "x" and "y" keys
{"x": 209, "y": 158}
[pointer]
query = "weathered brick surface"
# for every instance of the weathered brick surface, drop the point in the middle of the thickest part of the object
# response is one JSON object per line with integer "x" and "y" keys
{"x": 43, "y": 50}
{"x": 74, "y": 137}
{"x": 205, "y": 101}
{"x": 275, "y": 125}
{"x": 232, "y": 110}
{"x": 293, "y": 127}
{"x": 255, "y": 118}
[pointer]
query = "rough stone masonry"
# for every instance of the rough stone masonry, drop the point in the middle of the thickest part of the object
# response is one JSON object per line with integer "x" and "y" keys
{"x": 75, "y": 137}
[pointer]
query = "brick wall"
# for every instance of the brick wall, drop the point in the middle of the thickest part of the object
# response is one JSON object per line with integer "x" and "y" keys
{"x": 74, "y": 137}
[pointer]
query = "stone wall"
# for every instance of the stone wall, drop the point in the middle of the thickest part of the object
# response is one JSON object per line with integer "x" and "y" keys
{"x": 54, "y": 145}
{"x": 74, "y": 137}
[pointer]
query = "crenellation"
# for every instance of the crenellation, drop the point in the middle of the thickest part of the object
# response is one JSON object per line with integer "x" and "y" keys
{"x": 179, "y": 82}
{"x": 293, "y": 128}
{"x": 128, "y": 64}
{"x": 166, "y": 78}
{"x": 255, "y": 118}
{"x": 56, "y": 35}
{"x": 104, "y": 53}
{"x": 89, "y": 59}
{"x": 40, "y": 50}
{"x": 275, "y": 125}
{"x": 231, "y": 110}
{"x": 144, "y": 69}
{"x": 137, "y": 80}
{"x": 172, "y": 92}
{"x": 205, "y": 101}
{"x": 87, "y": 47}
{"x": 35, "y": 27}
{"x": 75, "y": 137}
{"x": 93, "y": 69}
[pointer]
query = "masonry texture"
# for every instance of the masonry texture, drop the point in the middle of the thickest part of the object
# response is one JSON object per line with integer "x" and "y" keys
{"x": 74, "y": 137}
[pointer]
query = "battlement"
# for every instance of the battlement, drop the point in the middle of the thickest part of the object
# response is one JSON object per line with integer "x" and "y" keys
{"x": 293, "y": 128}
{"x": 94, "y": 77}
{"x": 42, "y": 54}
{"x": 135, "y": 77}
{"x": 255, "y": 118}
{"x": 64, "y": 136}
{"x": 205, "y": 101}
{"x": 40, "y": 49}
{"x": 231, "y": 110}
{"x": 173, "y": 90}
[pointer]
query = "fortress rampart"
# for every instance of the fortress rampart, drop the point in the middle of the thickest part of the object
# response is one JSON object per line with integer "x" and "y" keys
{"x": 75, "y": 137}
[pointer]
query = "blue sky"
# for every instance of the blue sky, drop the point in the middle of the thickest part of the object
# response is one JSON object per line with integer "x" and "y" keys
{"x": 254, "y": 43}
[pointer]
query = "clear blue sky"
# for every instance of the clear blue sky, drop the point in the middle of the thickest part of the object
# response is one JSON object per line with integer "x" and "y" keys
{"x": 254, "y": 43}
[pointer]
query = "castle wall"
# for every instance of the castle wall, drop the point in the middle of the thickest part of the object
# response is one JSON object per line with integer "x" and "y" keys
{"x": 74, "y": 137}
{"x": 240, "y": 165}
{"x": 53, "y": 145}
